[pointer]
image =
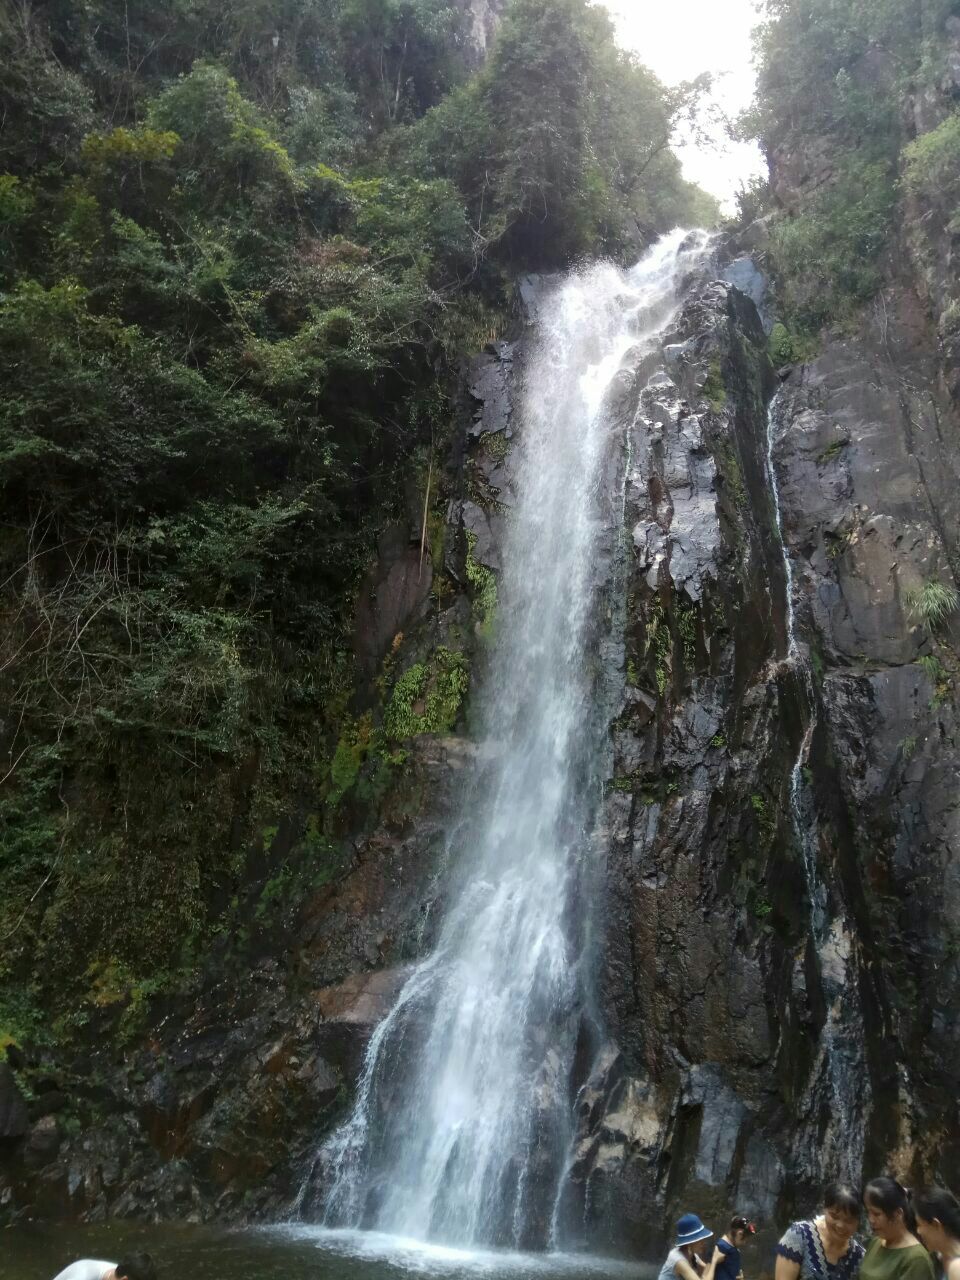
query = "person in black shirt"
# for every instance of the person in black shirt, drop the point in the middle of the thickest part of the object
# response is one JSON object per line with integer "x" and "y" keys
{"x": 731, "y": 1265}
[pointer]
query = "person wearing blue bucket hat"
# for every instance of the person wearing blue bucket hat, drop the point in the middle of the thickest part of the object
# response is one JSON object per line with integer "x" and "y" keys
{"x": 684, "y": 1261}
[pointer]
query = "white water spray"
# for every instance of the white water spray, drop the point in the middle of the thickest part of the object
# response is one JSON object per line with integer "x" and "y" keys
{"x": 463, "y": 1118}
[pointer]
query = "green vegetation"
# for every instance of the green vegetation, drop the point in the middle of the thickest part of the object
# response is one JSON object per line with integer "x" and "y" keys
{"x": 939, "y": 677}
{"x": 426, "y": 699}
{"x": 241, "y": 249}
{"x": 833, "y": 450}
{"x": 760, "y": 906}
{"x": 561, "y": 143}
{"x": 686, "y": 619}
{"x": 834, "y": 81}
{"x": 731, "y": 472}
{"x": 714, "y": 390}
{"x": 766, "y": 821}
{"x": 932, "y": 163}
{"x": 828, "y": 257}
{"x": 483, "y": 585}
{"x": 622, "y": 784}
{"x": 932, "y": 603}
{"x": 658, "y": 644}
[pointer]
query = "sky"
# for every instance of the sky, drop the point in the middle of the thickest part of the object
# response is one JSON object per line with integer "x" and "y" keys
{"x": 678, "y": 40}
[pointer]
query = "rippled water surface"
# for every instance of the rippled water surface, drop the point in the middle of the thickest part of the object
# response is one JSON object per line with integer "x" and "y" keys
{"x": 286, "y": 1253}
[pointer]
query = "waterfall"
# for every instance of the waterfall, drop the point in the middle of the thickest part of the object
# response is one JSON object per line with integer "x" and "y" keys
{"x": 841, "y": 1063}
{"x": 463, "y": 1118}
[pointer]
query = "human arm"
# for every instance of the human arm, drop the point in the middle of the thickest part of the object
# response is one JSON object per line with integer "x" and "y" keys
{"x": 786, "y": 1268}
{"x": 790, "y": 1253}
{"x": 684, "y": 1270}
{"x": 952, "y": 1269}
{"x": 702, "y": 1271}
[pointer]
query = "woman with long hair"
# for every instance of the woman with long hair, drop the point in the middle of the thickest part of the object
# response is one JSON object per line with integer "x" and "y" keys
{"x": 824, "y": 1248}
{"x": 938, "y": 1226}
{"x": 894, "y": 1253}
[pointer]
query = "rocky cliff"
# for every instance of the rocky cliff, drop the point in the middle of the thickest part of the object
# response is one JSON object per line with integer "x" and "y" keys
{"x": 778, "y": 959}
{"x": 779, "y": 955}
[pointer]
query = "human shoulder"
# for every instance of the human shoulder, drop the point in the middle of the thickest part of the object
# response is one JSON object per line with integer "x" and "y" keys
{"x": 793, "y": 1240}
{"x": 918, "y": 1265}
{"x": 86, "y": 1269}
{"x": 725, "y": 1246}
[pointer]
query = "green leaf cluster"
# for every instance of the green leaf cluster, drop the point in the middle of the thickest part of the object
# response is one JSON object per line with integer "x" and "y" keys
{"x": 561, "y": 144}
{"x": 835, "y": 78}
{"x": 241, "y": 248}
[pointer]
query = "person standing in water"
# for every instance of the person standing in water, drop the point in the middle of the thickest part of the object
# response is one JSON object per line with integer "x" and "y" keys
{"x": 135, "y": 1266}
{"x": 730, "y": 1267}
{"x": 894, "y": 1253}
{"x": 938, "y": 1226}
{"x": 684, "y": 1261}
{"x": 824, "y": 1248}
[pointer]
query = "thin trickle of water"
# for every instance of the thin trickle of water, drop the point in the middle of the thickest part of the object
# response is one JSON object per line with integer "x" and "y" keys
{"x": 463, "y": 1119}
{"x": 841, "y": 1054}
{"x": 775, "y": 492}
{"x": 803, "y": 828}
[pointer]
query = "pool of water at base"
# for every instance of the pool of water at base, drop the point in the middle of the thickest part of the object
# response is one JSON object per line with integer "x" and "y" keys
{"x": 38, "y": 1251}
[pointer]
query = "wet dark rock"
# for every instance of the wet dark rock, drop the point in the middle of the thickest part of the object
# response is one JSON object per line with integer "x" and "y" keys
{"x": 349, "y": 1012}
{"x": 487, "y": 531}
{"x": 391, "y": 595}
{"x": 489, "y": 383}
{"x": 43, "y": 1143}
{"x": 747, "y": 276}
{"x": 48, "y": 1102}
{"x": 14, "y": 1116}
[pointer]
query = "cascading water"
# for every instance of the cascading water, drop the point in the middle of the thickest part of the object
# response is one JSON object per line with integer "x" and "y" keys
{"x": 842, "y": 1064}
{"x": 463, "y": 1118}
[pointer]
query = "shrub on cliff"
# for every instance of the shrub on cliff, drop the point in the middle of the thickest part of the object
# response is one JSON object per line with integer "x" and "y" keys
{"x": 240, "y": 244}
{"x": 833, "y": 84}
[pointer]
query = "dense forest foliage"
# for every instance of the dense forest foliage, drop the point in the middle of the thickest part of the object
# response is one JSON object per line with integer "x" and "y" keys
{"x": 243, "y": 247}
{"x": 842, "y": 109}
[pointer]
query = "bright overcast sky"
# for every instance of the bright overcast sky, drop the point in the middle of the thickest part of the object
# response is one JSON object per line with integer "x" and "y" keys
{"x": 678, "y": 40}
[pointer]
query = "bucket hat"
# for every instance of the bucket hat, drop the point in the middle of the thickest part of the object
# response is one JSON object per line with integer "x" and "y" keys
{"x": 690, "y": 1229}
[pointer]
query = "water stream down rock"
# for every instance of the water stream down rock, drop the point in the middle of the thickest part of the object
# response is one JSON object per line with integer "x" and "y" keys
{"x": 463, "y": 1122}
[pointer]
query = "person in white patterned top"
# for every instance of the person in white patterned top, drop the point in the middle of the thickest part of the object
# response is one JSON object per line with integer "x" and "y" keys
{"x": 824, "y": 1248}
